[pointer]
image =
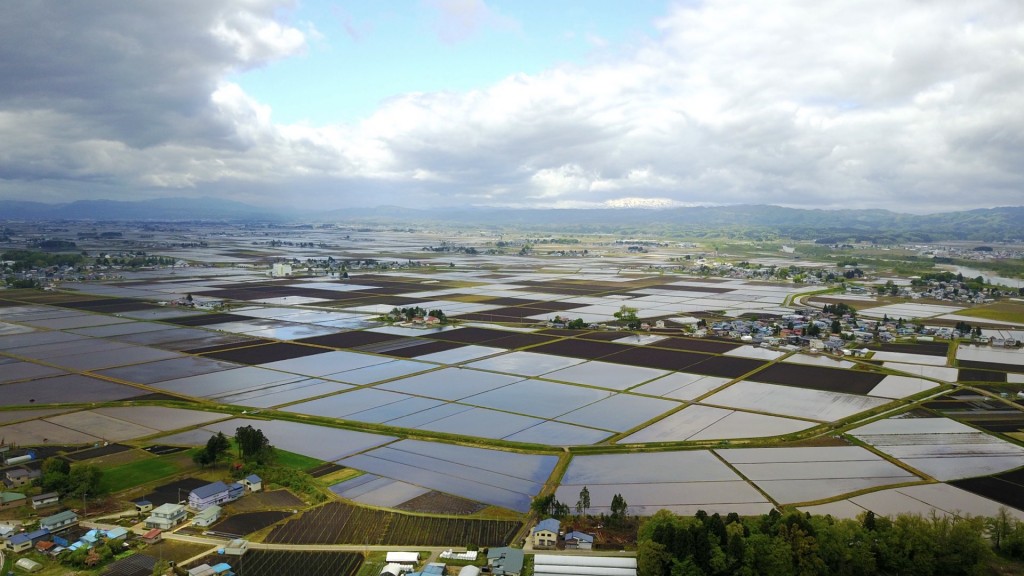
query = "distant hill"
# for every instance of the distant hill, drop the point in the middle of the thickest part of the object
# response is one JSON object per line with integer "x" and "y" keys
{"x": 751, "y": 221}
{"x": 160, "y": 209}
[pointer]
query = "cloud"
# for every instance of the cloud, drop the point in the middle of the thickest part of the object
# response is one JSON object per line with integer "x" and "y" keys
{"x": 456, "y": 21}
{"x": 894, "y": 104}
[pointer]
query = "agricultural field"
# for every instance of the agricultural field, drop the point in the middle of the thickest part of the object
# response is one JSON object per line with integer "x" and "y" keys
{"x": 338, "y": 523}
{"x": 242, "y": 524}
{"x": 488, "y": 410}
{"x": 296, "y": 563}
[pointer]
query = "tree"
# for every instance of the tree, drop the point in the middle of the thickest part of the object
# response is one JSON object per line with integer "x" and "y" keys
{"x": 217, "y": 446}
{"x": 626, "y": 313}
{"x": 253, "y": 445}
{"x": 55, "y": 475}
{"x": 84, "y": 479}
{"x": 619, "y": 509}
{"x": 202, "y": 458}
{"x": 584, "y": 502}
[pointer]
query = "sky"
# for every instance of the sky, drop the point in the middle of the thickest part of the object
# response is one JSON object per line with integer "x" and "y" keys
{"x": 906, "y": 105}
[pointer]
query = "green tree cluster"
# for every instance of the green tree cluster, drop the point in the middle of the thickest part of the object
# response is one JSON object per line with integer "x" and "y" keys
{"x": 253, "y": 446}
{"x": 79, "y": 480}
{"x": 800, "y": 544}
{"x": 548, "y": 505}
{"x": 216, "y": 447}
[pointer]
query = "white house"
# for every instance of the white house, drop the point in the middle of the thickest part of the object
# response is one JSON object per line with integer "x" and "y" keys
{"x": 207, "y": 517}
{"x": 166, "y": 516}
{"x": 252, "y": 483}
{"x": 545, "y": 533}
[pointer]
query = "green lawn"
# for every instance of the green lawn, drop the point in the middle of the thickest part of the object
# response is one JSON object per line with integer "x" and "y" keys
{"x": 117, "y": 478}
{"x": 1000, "y": 311}
{"x": 294, "y": 461}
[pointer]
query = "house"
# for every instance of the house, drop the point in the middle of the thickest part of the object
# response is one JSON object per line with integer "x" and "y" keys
{"x": 505, "y": 561}
{"x": 252, "y": 483}
{"x": 207, "y": 516}
{"x": 579, "y": 541}
{"x": 26, "y": 540}
{"x": 545, "y": 533}
{"x": 18, "y": 477}
{"x": 11, "y": 500}
{"x": 59, "y": 521}
{"x": 19, "y": 543}
{"x": 166, "y": 516}
{"x": 211, "y": 494}
{"x": 153, "y": 536}
{"x": 44, "y": 500}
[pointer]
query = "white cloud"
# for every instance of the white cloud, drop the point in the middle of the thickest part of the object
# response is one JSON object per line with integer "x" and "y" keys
{"x": 895, "y": 104}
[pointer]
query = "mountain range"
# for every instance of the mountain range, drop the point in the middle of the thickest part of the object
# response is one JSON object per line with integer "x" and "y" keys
{"x": 987, "y": 224}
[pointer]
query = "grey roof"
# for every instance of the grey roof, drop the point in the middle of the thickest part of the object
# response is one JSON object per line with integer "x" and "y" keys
{"x": 252, "y": 478}
{"x": 60, "y": 517}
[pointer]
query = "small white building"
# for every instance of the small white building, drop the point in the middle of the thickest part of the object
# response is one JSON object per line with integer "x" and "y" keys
{"x": 236, "y": 547}
{"x": 207, "y": 516}
{"x": 402, "y": 557}
{"x": 252, "y": 483}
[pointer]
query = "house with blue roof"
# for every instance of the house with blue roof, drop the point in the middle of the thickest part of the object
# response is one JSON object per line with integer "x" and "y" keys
{"x": 545, "y": 533}
{"x": 252, "y": 483}
{"x": 115, "y": 533}
{"x": 26, "y": 540}
{"x": 579, "y": 541}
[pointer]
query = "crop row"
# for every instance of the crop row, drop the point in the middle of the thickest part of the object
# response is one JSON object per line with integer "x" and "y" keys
{"x": 338, "y": 523}
{"x": 305, "y": 563}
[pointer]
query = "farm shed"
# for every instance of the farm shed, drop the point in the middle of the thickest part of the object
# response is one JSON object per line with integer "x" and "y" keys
{"x": 505, "y": 561}
{"x": 236, "y": 547}
{"x": 551, "y": 565}
{"x": 28, "y": 565}
{"x": 44, "y": 500}
{"x": 153, "y": 536}
{"x": 469, "y": 571}
{"x": 402, "y": 557}
{"x": 392, "y": 569}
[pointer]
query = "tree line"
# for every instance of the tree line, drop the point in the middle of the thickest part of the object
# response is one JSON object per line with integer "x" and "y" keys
{"x": 797, "y": 543}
